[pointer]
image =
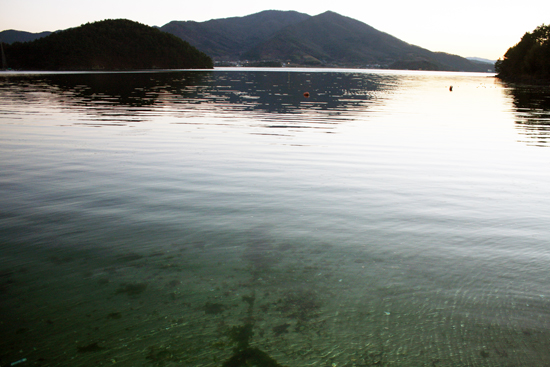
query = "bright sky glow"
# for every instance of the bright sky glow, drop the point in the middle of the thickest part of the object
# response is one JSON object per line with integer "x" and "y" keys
{"x": 467, "y": 28}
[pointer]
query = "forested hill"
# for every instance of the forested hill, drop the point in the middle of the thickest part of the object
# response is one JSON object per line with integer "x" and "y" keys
{"x": 228, "y": 38}
{"x": 106, "y": 45}
{"x": 327, "y": 39}
{"x": 529, "y": 60}
{"x": 269, "y": 37}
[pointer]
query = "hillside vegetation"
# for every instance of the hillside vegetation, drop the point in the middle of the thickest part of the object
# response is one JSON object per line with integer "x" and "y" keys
{"x": 529, "y": 60}
{"x": 229, "y": 38}
{"x": 106, "y": 45}
{"x": 327, "y": 39}
{"x": 267, "y": 38}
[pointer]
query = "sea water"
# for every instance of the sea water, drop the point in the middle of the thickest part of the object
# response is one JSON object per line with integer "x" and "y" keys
{"x": 183, "y": 217}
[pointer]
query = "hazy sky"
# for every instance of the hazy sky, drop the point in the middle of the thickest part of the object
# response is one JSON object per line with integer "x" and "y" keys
{"x": 482, "y": 28}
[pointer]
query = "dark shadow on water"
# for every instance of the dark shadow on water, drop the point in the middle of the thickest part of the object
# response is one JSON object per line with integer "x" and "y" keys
{"x": 115, "y": 89}
{"x": 245, "y": 355}
{"x": 532, "y": 110}
{"x": 251, "y": 357}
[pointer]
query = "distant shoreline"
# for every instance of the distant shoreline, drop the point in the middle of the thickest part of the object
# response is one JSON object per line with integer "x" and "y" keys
{"x": 245, "y": 68}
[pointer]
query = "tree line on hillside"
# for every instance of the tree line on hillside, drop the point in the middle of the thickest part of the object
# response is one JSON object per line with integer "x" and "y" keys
{"x": 529, "y": 60}
{"x": 328, "y": 39}
{"x": 117, "y": 44}
{"x": 268, "y": 38}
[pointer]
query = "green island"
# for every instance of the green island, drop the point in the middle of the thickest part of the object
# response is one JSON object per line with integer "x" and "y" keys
{"x": 529, "y": 60}
{"x": 113, "y": 44}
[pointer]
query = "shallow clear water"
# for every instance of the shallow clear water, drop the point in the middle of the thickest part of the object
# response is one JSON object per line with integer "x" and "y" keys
{"x": 146, "y": 218}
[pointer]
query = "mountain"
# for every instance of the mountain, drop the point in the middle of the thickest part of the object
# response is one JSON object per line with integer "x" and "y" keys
{"x": 11, "y": 36}
{"x": 118, "y": 44}
{"x": 332, "y": 38}
{"x": 480, "y": 59}
{"x": 275, "y": 37}
{"x": 327, "y": 39}
{"x": 228, "y": 38}
{"x": 461, "y": 63}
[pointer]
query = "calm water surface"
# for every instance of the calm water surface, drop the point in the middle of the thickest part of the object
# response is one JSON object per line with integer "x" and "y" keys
{"x": 188, "y": 218}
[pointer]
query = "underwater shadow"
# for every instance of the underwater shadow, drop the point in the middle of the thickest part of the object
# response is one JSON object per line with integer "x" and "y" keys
{"x": 243, "y": 354}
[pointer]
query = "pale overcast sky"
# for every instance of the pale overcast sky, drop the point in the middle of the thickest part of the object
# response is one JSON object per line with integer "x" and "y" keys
{"x": 482, "y": 28}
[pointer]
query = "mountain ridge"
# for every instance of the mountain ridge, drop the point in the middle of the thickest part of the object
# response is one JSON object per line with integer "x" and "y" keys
{"x": 10, "y": 36}
{"x": 331, "y": 36}
{"x": 225, "y": 38}
{"x": 275, "y": 37}
{"x": 327, "y": 39}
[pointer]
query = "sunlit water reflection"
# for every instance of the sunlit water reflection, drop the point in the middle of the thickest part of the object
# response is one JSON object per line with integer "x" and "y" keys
{"x": 147, "y": 218}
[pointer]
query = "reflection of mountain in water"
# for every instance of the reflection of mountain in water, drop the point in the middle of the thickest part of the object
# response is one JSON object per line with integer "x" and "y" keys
{"x": 115, "y": 89}
{"x": 283, "y": 92}
{"x": 276, "y": 97}
{"x": 533, "y": 113}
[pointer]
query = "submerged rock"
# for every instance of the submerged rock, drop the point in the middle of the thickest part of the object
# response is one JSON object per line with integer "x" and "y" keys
{"x": 94, "y": 347}
{"x": 213, "y": 308}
